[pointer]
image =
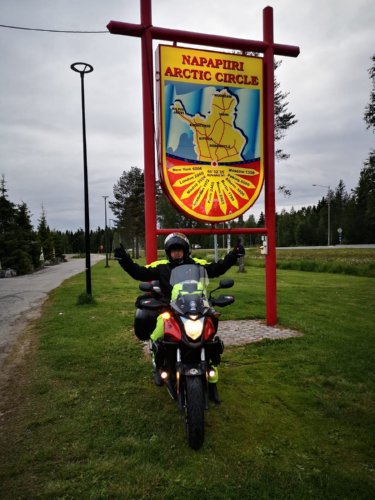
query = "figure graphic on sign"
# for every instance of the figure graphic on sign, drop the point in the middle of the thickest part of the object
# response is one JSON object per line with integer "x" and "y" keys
{"x": 216, "y": 137}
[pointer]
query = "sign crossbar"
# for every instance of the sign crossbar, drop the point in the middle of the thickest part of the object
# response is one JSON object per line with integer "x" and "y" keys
{"x": 191, "y": 37}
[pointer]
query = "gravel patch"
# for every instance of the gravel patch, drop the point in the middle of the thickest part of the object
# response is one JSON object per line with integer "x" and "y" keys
{"x": 243, "y": 331}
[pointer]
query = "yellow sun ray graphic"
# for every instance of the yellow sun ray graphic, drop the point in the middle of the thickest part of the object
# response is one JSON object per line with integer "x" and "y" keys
{"x": 210, "y": 197}
{"x": 185, "y": 169}
{"x": 229, "y": 194}
{"x": 190, "y": 190}
{"x": 188, "y": 179}
{"x": 213, "y": 183}
{"x": 240, "y": 180}
{"x": 201, "y": 193}
{"x": 236, "y": 188}
{"x": 243, "y": 171}
{"x": 222, "y": 203}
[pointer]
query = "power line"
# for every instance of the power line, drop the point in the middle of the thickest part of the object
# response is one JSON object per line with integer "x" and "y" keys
{"x": 49, "y": 30}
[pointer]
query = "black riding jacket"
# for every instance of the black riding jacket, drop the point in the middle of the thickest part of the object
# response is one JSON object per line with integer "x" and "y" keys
{"x": 161, "y": 269}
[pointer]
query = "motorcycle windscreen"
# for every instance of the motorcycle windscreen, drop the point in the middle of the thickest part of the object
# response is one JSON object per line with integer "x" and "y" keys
{"x": 189, "y": 272}
{"x": 188, "y": 278}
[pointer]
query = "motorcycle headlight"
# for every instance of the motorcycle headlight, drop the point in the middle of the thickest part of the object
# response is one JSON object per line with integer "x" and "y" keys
{"x": 193, "y": 329}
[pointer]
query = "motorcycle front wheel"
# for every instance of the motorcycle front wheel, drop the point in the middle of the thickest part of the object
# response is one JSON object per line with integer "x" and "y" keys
{"x": 194, "y": 411}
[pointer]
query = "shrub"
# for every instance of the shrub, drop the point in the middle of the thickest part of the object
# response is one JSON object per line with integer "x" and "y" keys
{"x": 21, "y": 262}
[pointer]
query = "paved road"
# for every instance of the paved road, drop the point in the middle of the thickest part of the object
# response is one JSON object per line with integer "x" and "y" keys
{"x": 22, "y": 296}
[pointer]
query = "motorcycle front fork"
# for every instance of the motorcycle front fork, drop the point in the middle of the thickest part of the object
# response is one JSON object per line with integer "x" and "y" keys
{"x": 179, "y": 391}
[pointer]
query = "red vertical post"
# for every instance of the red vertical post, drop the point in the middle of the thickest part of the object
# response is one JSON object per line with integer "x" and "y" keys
{"x": 269, "y": 158}
{"x": 148, "y": 131}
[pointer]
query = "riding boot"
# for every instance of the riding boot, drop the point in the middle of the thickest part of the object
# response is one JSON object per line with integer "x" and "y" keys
{"x": 156, "y": 371}
{"x": 213, "y": 393}
{"x": 157, "y": 377}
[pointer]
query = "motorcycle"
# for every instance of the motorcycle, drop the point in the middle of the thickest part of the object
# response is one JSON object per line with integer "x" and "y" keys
{"x": 187, "y": 356}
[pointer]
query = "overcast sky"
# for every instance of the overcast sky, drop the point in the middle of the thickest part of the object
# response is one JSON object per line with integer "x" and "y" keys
{"x": 40, "y": 100}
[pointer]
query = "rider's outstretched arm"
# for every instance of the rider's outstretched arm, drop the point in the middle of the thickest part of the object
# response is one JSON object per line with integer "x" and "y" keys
{"x": 140, "y": 273}
{"x": 215, "y": 269}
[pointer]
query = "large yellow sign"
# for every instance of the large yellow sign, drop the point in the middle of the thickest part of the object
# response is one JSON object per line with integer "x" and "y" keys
{"x": 210, "y": 136}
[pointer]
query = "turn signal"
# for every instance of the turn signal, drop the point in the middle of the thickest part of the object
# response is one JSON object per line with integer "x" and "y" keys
{"x": 166, "y": 315}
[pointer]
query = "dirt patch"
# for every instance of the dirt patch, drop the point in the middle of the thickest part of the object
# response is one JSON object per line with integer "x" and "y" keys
{"x": 15, "y": 369}
{"x": 18, "y": 342}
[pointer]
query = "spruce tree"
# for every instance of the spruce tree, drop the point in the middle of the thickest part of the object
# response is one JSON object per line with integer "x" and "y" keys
{"x": 365, "y": 191}
{"x": 7, "y": 226}
{"x": 45, "y": 237}
{"x": 369, "y": 115}
{"x": 284, "y": 119}
{"x": 129, "y": 207}
{"x": 26, "y": 255}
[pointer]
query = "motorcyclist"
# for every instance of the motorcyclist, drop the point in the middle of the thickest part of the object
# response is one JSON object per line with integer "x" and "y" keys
{"x": 177, "y": 249}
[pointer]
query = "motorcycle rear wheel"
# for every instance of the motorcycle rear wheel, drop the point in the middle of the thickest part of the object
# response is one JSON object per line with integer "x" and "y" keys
{"x": 194, "y": 411}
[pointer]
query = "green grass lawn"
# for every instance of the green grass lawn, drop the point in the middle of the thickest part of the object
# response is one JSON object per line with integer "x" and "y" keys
{"x": 336, "y": 260}
{"x": 297, "y": 419}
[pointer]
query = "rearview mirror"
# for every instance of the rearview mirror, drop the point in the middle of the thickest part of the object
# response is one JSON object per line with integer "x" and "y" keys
{"x": 151, "y": 304}
{"x": 223, "y": 300}
{"x": 227, "y": 283}
{"x": 153, "y": 287}
{"x": 145, "y": 287}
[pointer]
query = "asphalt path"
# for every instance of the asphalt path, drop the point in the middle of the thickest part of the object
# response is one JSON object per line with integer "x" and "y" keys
{"x": 22, "y": 296}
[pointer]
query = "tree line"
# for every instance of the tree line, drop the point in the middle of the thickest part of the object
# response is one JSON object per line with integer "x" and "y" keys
{"x": 23, "y": 248}
{"x": 26, "y": 249}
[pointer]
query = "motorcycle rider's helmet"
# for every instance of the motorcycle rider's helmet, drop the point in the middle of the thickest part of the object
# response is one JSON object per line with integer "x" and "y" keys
{"x": 176, "y": 241}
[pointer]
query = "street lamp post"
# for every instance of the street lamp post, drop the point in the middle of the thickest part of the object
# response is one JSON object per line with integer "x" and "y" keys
{"x": 83, "y": 68}
{"x": 329, "y": 211}
{"x": 105, "y": 231}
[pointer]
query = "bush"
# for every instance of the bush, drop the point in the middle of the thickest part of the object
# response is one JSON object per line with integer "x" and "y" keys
{"x": 21, "y": 262}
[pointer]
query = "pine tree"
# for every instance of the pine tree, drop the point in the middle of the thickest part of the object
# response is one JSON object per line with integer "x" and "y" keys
{"x": 365, "y": 192}
{"x": 168, "y": 216}
{"x": 129, "y": 207}
{"x": 26, "y": 256}
{"x": 58, "y": 245}
{"x": 365, "y": 201}
{"x": 7, "y": 209}
{"x": 251, "y": 238}
{"x": 284, "y": 119}
{"x": 7, "y": 226}
{"x": 339, "y": 202}
{"x": 369, "y": 115}
{"x": 45, "y": 237}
